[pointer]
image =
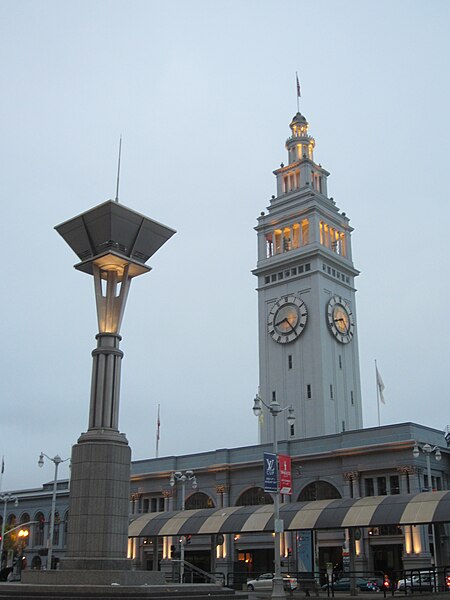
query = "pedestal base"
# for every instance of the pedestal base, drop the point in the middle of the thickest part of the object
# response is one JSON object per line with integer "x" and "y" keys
{"x": 93, "y": 577}
{"x": 99, "y": 502}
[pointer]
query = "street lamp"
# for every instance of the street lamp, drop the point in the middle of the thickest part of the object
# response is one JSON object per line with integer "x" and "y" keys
{"x": 428, "y": 450}
{"x": 176, "y": 477}
{"x": 56, "y": 460}
{"x": 275, "y": 409}
{"x": 5, "y": 498}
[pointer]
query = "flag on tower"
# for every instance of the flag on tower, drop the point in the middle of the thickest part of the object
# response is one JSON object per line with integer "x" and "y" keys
{"x": 380, "y": 385}
{"x": 298, "y": 87}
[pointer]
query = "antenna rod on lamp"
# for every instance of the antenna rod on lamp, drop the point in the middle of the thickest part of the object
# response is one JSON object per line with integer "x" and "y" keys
{"x": 118, "y": 170}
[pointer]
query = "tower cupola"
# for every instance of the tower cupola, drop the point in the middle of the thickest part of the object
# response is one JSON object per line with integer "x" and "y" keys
{"x": 300, "y": 145}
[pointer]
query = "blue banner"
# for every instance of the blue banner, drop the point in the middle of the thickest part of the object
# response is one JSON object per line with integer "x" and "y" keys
{"x": 270, "y": 472}
{"x": 305, "y": 550}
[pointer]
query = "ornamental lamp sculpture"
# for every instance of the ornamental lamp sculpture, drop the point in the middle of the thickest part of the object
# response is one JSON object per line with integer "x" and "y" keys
{"x": 113, "y": 244}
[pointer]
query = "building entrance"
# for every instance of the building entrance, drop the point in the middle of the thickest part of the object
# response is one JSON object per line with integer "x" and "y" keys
{"x": 387, "y": 558}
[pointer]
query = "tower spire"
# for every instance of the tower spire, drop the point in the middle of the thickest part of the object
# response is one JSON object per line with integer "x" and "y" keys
{"x": 298, "y": 92}
{"x": 118, "y": 170}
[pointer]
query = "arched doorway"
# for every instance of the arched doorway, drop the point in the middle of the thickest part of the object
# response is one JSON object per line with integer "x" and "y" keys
{"x": 318, "y": 490}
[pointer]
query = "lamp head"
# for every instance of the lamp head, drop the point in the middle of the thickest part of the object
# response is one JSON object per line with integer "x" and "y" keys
{"x": 41, "y": 460}
{"x": 416, "y": 451}
{"x": 194, "y": 483}
{"x": 438, "y": 454}
{"x": 172, "y": 480}
{"x": 257, "y": 408}
{"x": 291, "y": 416}
{"x": 16, "y": 502}
{"x": 427, "y": 448}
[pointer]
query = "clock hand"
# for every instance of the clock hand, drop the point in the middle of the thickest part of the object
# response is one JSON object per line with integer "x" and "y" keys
{"x": 282, "y": 321}
{"x": 340, "y": 319}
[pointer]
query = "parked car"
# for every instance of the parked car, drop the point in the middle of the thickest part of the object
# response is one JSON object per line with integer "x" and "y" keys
{"x": 423, "y": 582}
{"x": 265, "y": 582}
{"x": 364, "y": 585}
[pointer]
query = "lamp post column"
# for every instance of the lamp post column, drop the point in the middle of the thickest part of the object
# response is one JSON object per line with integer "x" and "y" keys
{"x": 52, "y": 516}
{"x": 275, "y": 409}
{"x": 183, "y": 477}
{"x": 56, "y": 460}
{"x": 278, "y": 587}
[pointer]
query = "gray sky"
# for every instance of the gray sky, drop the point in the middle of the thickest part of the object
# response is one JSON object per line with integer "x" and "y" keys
{"x": 203, "y": 93}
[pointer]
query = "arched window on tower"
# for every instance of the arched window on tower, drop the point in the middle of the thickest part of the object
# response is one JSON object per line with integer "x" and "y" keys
{"x": 254, "y": 496}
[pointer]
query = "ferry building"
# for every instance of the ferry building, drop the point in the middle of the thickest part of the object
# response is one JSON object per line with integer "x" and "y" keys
{"x": 385, "y": 488}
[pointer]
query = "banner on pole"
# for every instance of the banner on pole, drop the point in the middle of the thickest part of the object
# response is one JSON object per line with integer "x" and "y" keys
{"x": 270, "y": 472}
{"x": 285, "y": 474}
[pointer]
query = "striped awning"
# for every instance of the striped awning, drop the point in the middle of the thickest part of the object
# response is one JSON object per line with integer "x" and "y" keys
{"x": 427, "y": 507}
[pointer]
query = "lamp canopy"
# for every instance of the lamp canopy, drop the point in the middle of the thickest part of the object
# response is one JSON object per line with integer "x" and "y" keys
{"x": 111, "y": 235}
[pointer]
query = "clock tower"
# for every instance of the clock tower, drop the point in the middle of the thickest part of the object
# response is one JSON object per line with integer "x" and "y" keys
{"x": 308, "y": 346}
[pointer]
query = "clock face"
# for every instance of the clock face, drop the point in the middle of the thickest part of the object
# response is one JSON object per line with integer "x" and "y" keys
{"x": 287, "y": 319}
{"x": 340, "y": 319}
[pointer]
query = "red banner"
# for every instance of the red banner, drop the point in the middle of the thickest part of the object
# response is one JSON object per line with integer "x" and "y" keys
{"x": 285, "y": 474}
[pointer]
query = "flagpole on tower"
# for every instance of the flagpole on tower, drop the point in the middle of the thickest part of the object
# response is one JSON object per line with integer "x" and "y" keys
{"x": 298, "y": 92}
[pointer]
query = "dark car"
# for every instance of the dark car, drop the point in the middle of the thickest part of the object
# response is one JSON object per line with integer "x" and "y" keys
{"x": 363, "y": 585}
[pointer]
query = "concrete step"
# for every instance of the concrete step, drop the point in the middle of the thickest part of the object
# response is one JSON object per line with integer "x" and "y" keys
{"x": 15, "y": 591}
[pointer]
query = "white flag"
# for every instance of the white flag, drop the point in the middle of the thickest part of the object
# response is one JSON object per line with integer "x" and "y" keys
{"x": 380, "y": 385}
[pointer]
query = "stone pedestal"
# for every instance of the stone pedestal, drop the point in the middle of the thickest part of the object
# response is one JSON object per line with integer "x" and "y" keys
{"x": 99, "y": 502}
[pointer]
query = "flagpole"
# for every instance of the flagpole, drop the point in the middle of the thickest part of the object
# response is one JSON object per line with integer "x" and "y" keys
{"x": 1, "y": 473}
{"x": 158, "y": 423}
{"x": 298, "y": 92}
{"x": 378, "y": 392}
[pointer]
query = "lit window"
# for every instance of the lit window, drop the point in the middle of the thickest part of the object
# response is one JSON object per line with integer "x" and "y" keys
{"x": 278, "y": 242}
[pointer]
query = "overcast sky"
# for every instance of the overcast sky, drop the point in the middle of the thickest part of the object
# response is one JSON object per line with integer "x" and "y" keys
{"x": 203, "y": 93}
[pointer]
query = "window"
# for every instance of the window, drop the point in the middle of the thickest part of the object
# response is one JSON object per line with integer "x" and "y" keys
{"x": 352, "y": 400}
{"x": 288, "y": 238}
{"x": 274, "y": 396}
{"x": 39, "y": 529}
{"x": 318, "y": 490}
{"x": 254, "y": 495}
{"x": 198, "y": 500}
{"x": 332, "y": 238}
{"x": 381, "y": 485}
{"x": 308, "y": 391}
{"x": 394, "y": 484}
{"x": 290, "y": 361}
{"x": 267, "y": 279}
{"x": 331, "y": 391}
{"x": 340, "y": 361}
{"x": 292, "y": 429}
{"x": 308, "y": 267}
{"x": 368, "y": 486}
